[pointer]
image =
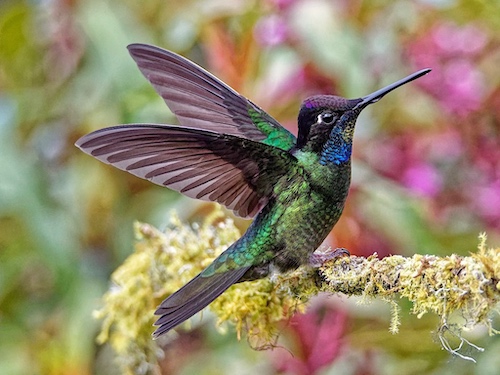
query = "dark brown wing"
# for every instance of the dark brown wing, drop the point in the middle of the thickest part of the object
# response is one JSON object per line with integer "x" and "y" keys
{"x": 202, "y": 101}
{"x": 236, "y": 172}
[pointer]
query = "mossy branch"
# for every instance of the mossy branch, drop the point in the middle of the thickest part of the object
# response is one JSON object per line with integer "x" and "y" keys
{"x": 442, "y": 285}
{"x": 164, "y": 261}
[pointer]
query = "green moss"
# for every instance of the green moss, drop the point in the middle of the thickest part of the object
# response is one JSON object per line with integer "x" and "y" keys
{"x": 468, "y": 286}
{"x": 161, "y": 263}
{"x": 255, "y": 307}
{"x": 164, "y": 261}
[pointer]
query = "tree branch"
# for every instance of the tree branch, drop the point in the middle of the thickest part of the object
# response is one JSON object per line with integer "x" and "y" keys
{"x": 164, "y": 261}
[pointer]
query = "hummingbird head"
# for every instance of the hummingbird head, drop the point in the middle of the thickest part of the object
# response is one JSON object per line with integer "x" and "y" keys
{"x": 326, "y": 122}
{"x": 318, "y": 116}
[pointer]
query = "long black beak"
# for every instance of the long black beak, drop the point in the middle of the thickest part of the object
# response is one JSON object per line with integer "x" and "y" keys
{"x": 377, "y": 95}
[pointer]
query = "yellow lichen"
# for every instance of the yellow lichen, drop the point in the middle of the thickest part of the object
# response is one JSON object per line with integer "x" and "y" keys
{"x": 161, "y": 263}
{"x": 164, "y": 261}
{"x": 255, "y": 307}
{"x": 442, "y": 285}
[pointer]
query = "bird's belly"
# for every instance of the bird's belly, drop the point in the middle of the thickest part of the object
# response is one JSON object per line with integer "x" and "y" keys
{"x": 304, "y": 225}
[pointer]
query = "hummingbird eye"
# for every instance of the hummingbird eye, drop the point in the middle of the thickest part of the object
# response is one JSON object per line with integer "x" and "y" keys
{"x": 326, "y": 118}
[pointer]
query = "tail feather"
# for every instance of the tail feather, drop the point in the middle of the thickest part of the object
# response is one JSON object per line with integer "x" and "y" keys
{"x": 193, "y": 297}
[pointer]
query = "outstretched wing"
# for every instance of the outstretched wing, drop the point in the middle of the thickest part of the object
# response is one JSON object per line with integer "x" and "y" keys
{"x": 200, "y": 100}
{"x": 236, "y": 172}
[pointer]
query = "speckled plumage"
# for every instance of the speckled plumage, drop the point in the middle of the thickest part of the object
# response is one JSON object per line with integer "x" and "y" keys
{"x": 230, "y": 151}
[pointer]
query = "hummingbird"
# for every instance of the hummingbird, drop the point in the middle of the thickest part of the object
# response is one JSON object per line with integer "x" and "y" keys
{"x": 228, "y": 150}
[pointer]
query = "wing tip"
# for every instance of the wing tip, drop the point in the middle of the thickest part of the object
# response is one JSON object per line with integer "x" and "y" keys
{"x": 143, "y": 50}
{"x": 159, "y": 332}
{"x": 79, "y": 143}
{"x": 82, "y": 141}
{"x": 140, "y": 46}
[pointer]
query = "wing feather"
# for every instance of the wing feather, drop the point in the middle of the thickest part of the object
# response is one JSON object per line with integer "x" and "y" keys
{"x": 200, "y": 100}
{"x": 193, "y": 297}
{"x": 236, "y": 172}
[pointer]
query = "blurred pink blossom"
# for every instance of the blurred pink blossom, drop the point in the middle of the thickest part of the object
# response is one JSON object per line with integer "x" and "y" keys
{"x": 282, "y": 4}
{"x": 453, "y": 40}
{"x": 423, "y": 179}
{"x": 465, "y": 84}
{"x": 318, "y": 336}
{"x": 450, "y": 51}
{"x": 271, "y": 30}
{"x": 486, "y": 199}
{"x": 446, "y": 146}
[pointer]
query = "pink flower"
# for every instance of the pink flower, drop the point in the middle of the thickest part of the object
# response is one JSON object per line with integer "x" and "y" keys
{"x": 282, "y": 4}
{"x": 451, "y": 50}
{"x": 453, "y": 40}
{"x": 318, "y": 337}
{"x": 465, "y": 85}
{"x": 271, "y": 30}
{"x": 423, "y": 179}
{"x": 486, "y": 199}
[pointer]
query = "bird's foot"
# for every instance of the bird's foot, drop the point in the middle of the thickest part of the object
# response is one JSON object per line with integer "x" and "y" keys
{"x": 319, "y": 257}
{"x": 256, "y": 272}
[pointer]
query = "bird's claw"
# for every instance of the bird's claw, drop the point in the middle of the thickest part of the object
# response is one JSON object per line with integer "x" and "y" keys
{"x": 318, "y": 258}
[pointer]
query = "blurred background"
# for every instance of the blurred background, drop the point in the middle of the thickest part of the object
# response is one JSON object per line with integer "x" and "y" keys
{"x": 426, "y": 166}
